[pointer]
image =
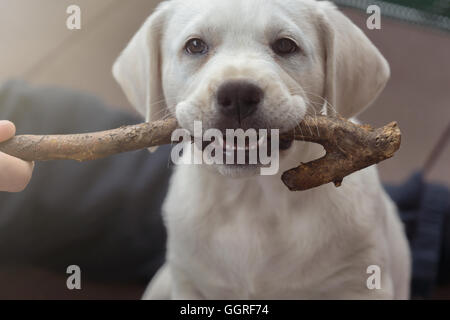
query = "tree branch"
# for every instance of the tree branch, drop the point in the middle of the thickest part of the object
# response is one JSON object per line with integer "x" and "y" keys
{"x": 349, "y": 147}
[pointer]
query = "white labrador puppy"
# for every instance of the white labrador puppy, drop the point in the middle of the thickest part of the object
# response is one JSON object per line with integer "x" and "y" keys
{"x": 233, "y": 234}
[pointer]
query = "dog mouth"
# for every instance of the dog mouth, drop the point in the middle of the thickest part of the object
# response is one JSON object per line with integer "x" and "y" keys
{"x": 285, "y": 143}
{"x": 234, "y": 151}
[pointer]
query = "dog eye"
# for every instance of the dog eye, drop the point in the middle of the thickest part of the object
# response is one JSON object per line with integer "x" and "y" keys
{"x": 284, "y": 46}
{"x": 196, "y": 47}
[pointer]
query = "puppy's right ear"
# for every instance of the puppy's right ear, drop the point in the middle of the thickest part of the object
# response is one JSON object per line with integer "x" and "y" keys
{"x": 138, "y": 68}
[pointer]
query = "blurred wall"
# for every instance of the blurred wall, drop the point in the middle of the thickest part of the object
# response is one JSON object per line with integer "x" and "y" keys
{"x": 36, "y": 45}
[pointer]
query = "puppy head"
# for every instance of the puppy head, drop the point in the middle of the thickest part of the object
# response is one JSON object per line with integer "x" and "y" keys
{"x": 249, "y": 64}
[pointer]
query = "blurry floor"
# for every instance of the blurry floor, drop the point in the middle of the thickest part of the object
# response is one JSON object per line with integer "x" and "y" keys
{"x": 36, "y": 46}
{"x": 37, "y": 284}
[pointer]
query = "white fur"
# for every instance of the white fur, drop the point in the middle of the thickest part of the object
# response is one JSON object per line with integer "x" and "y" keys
{"x": 231, "y": 233}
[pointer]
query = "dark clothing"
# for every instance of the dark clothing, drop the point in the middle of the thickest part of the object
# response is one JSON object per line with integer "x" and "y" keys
{"x": 105, "y": 215}
{"x": 425, "y": 211}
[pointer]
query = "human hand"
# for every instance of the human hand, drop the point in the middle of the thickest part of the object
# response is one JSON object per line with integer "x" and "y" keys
{"x": 14, "y": 173}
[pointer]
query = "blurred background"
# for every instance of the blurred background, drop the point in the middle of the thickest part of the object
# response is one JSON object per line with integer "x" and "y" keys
{"x": 35, "y": 46}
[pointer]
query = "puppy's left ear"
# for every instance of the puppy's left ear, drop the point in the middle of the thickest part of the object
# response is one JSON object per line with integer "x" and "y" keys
{"x": 138, "y": 68}
{"x": 356, "y": 72}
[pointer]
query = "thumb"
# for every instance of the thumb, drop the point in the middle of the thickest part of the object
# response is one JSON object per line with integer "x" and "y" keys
{"x": 7, "y": 130}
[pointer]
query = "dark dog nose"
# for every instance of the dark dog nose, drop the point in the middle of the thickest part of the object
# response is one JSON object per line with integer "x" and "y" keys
{"x": 239, "y": 99}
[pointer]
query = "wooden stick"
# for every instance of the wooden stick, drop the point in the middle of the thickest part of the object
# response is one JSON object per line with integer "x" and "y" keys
{"x": 349, "y": 147}
{"x": 90, "y": 146}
